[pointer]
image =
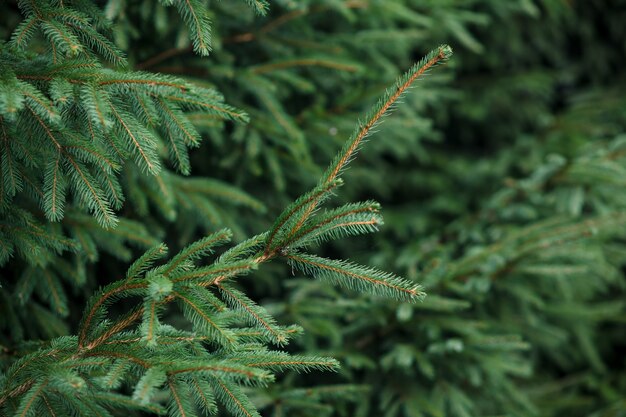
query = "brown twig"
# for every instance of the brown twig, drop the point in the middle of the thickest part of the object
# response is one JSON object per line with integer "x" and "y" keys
{"x": 162, "y": 56}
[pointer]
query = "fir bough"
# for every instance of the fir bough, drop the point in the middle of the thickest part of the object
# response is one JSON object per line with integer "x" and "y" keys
{"x": 84, "y": 122}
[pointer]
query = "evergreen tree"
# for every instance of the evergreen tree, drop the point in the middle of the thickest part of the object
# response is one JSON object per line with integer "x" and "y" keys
{"x": 500, "y": 179}
{"x": 524, "y": 273}
{"x": 71, "y": 124}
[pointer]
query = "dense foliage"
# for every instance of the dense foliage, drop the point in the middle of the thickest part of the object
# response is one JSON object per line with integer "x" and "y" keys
{"x": 130, "y": 129}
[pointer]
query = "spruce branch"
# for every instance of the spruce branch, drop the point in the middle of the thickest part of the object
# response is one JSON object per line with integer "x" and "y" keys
{"x": 256, "y": 315}
{"x": 296, "y": 215}
{"x": 228, "y": 330}
{"x": 355, "y": 276}
{"x": 104, "y": 296}
{"x": 145, "y": 261}
{"x": 235, "y": 401}
{"x": 196, "y": 17}
{"x": 123, "y": 402}
{"x": 197, "y": 250}
{"x": 30, "y": 399}
{"x": 142, "y": 142}
{"x": 213, "y": 274}
{"x": 151, "y": 380}
{"x": 24, "y": 31}
{"x": 120, "y": 112}
{"x": 383, "y": 106}
{"x": 281, "y": 361}
{"x": 177, "y": 405}
{"x": 259, "y": 6}
{"x": 351, "y": 219}
{"x": 319, "y": 192}
{"x": 203, "y": 395}
{"x": 195, "y": 310}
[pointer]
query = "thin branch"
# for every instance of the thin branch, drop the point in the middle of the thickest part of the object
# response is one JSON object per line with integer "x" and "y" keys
{"x": 165, "y": 55}
{"x": 92, "y": 313}
{"x": 306, "y": 62}
{"x": 287, "y": 17}
{"x": 363, "y": 132}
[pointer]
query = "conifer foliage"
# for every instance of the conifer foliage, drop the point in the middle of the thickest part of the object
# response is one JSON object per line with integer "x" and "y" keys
{"x": 185, "y": 127}
{"x": 78, "y": 128}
